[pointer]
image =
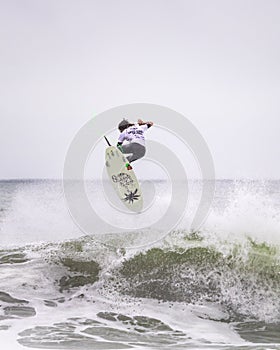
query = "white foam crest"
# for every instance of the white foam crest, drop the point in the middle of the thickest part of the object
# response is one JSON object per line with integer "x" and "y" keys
{"x": 37, "y": 214}
{"x": 251, "y": 210}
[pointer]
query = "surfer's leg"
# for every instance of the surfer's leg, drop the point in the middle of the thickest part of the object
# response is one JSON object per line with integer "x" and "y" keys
{"x": 135, "y": 151}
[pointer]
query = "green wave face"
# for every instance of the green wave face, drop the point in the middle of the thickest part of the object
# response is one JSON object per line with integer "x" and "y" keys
{"x": 85, "y": 272}
{"x": 246, "y": 284}
{"x": 243, "y": 278}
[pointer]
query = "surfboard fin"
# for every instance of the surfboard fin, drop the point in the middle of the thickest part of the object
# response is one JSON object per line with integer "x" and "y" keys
{"x": 107, "y": 141}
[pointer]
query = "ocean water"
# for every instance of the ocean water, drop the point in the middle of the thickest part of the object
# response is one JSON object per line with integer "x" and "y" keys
{"x": 138, "y": 288}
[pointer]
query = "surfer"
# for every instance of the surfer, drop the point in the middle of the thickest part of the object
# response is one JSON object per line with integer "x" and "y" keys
{"x": 134, "y": 134}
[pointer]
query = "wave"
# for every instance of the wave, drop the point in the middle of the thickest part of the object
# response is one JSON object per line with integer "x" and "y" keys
{"x": 244, "y": 280}
{"x": 228, "y": 271}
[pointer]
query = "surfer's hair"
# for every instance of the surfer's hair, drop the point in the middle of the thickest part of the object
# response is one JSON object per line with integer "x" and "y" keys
{"x": 124, "y": 124}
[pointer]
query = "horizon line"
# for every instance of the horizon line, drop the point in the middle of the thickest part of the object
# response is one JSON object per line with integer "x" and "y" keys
{"x": 90, "y": 179}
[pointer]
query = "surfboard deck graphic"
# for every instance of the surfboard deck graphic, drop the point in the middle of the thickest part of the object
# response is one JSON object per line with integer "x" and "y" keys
{"x": 123, "y": 180}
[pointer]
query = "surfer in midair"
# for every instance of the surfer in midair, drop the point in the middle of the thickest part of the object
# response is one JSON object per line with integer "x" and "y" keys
{"x": 134, "y": 135}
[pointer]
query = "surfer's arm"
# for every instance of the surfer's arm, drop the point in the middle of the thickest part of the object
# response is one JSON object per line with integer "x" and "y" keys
{"x": 149, "y": 124}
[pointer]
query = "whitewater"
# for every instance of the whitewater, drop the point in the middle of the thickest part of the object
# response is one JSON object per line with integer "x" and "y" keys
{"x": 216, "y": 287}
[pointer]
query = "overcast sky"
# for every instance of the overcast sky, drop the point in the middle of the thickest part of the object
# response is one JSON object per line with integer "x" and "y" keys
{"x": 64, "y": 61}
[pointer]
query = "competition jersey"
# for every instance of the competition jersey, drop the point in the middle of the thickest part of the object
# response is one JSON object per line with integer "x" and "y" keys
{"x": 134, "y": 133}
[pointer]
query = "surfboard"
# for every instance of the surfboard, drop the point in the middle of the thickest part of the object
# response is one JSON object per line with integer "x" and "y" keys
{"x": 124, "y": 181}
